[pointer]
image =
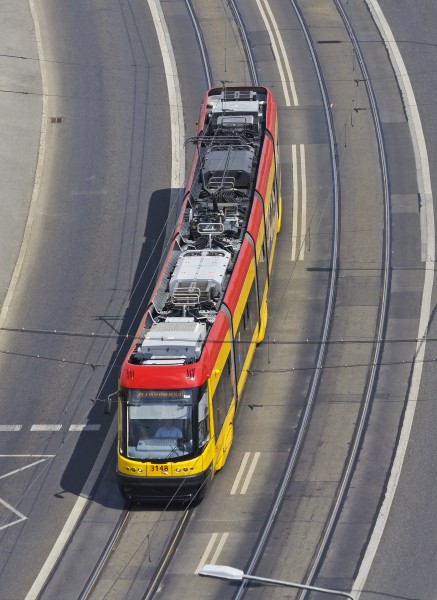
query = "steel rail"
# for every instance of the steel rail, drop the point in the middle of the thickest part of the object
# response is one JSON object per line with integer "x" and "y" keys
{"x": 104, "y": 557}
{"x": 201, "y": 44}
{"x": 327, "y": 322}
{"x": 172, "y": 545}
{"x": 175, "y": 537}
{"x": 382, "y": 314}
{"x": 245, "y": 40}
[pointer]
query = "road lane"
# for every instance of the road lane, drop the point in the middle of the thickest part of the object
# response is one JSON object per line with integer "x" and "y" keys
{"x": 90, "y": 261}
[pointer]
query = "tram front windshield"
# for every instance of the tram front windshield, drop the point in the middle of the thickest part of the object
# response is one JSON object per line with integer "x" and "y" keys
{"x": 159, "y": 424}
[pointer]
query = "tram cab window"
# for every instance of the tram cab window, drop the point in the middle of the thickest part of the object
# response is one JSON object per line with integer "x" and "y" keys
{"x": 159, "y": 424}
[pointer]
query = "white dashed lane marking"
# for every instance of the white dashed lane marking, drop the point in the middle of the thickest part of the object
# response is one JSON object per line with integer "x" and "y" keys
{"x": 84, "y": 427}
{"x": 216, "y": 542}
{"x": 242, "y": 471}
{"x": 298, "y": 240}
{"x": 53, "y": 427}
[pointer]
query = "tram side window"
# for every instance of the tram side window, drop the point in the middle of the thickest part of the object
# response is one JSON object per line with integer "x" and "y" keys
{"x": 222, "y": 398}
{"x": 275, "y": 193}
{"x": 122, "y": 424}
{"x": 252, "y": 310}
{"x": 203, "y": 421}
{"x": 275, "y": 204}
{"x": 269, "y": 233}
{"x": 271, "y": 221}
{"x": 261, "y": 269}
{"x": 246, "y": 328}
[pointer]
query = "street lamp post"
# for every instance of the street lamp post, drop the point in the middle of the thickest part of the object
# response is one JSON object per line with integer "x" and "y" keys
{"x": 224, "y": 572}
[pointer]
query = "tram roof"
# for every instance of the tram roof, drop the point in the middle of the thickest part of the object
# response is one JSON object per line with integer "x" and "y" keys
{"x": 194, "y": 280}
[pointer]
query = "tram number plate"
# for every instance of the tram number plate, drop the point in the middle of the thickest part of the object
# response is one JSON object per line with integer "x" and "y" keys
{"x": 160, "y": 469}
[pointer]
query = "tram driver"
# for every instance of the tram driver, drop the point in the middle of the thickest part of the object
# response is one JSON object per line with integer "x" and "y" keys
{"x": 168, "y": 430}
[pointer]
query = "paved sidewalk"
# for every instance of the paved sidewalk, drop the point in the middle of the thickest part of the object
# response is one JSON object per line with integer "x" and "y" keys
{"x": 20, "y": 125}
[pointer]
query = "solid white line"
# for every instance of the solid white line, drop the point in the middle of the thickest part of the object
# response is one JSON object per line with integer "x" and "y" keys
{"x": 3, "y": 502}
{"x": 45, "y": 427}
{"x": 73, "y": 517}
{"x": 85, "y": 427}
{"x": 177, "y": 178}
{"x": 416, "y": 131}
{"x": 240, "y": 473}
{"x": 174, "y": 99}
{"x": 10, "y": 427}
{"x": 284, "y": 54}
{"x": 276, "y": 53}
{"x": 38, "y": 171}
{"x": 303, "y": 223}
{"x": 57, "y": 549}
{"x": 295, "y": 214}
{"x": 250, "y": 473}
{"x": 15, "y": 511}
{"x": 37, "y": 462}
{"x": 206, "y": 553}
{"x": 219, "y": 548}
{"x": 428, "y": 254}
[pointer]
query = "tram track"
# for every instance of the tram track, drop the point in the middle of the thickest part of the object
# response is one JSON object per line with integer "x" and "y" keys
{"x": 305, "y": 419}
{"x": 119, "y": 534}
{"x": 359, "y": 431}
{"x": 104, "y": 557}
{"x": 116, "y": 538}
{"x": 383, "y": 311}
{"x": 178, "y": 530}
{"x": 201, "y": 43}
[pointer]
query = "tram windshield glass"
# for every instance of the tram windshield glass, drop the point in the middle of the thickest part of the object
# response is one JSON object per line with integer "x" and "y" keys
{"x": 159, "y": 423}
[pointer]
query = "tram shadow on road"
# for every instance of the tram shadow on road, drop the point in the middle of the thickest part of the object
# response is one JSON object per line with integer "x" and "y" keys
{"x": 91, "y": 467}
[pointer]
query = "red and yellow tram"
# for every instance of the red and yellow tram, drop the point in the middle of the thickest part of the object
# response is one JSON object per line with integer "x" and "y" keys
{"x": 185, "y": 372}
